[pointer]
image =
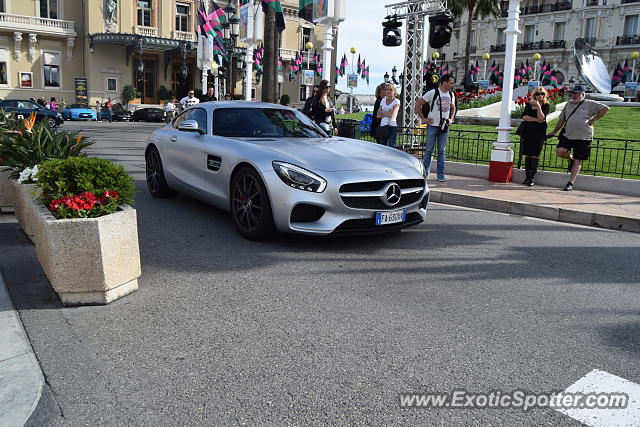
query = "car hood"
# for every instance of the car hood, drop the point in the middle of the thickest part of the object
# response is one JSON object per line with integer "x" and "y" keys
{"x": 333, "y": 154}
{"x": 81, "y": 110}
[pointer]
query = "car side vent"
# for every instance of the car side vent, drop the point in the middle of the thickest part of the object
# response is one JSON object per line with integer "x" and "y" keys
{"x": 213, "y": 162}
{"x": 263, "y": 139}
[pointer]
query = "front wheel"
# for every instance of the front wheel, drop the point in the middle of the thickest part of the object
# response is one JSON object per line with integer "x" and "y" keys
{"x": 51, "y": 123}
{"x": 156, "y": 183}
{"x": 250, "y": 206}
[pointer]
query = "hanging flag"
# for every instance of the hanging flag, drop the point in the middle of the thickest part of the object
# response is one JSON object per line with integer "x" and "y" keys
{"x": 359, "y": 66}
{"x": 319, "y": 67}
{"x": 337, "y": 74}
{"x": 445, "y": 70}
{"x": 477, "y": 70}
{"x": 305, "y": 10}
{"x": 279, "y": 63}
{"x": 364, "y": 65}
{"x": 275, "y": 4}
{"x": 493, "y": 67}
{"x": 366, "y": 74}
{"x": 204, "y": 47}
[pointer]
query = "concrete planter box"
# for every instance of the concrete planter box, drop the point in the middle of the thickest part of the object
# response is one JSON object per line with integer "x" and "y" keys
{"x": 6, "y": 192}
{"x": 25, "y": 205}
{"x": 90, "y": 260}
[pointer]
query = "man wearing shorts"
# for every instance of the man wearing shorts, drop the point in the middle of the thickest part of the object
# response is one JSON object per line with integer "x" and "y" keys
{"x": 579, "y": 114}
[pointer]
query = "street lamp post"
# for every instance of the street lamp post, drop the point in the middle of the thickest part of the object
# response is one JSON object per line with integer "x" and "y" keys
{"x": 386, "y": 77}
{"x": 485, "y": 56}
{"x": 308, "y": 46}
{"x": 536, "y": 58}
{"x": 501, "y": 166}
{"x": 353, "y": 51}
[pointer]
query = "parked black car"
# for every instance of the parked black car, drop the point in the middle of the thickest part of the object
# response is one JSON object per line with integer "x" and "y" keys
{"x": 24, "y": 108}
{"x": 148, "y": 115}
{"x": 119, "y": 113}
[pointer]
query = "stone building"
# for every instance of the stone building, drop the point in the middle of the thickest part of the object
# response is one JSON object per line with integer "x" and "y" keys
{"x": 551, "y": 28}
{"x": 46, "y": 44}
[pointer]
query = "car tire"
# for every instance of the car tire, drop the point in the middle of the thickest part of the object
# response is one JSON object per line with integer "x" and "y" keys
{"x": 51, "y": 122}
{"x": 250, "y": 206}
{"x": 156, "y": 182}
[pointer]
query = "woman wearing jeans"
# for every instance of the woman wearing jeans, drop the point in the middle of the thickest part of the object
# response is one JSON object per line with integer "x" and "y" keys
{"x": 387, "y": 114}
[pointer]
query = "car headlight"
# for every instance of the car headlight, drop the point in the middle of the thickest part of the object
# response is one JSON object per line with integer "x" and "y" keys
{"x": 421, "y": 168}
{"x": 299, "y": 178}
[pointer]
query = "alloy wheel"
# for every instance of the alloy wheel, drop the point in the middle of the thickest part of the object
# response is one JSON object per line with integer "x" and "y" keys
{"x": 248, "y": 204}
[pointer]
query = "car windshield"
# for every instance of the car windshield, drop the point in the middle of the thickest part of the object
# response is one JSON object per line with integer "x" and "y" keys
{"x": 262, "y": 122}
{"x": 77, "y": 106}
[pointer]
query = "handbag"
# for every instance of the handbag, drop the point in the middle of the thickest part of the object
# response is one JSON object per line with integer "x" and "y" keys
{"x": 382, "y": 132}
{"x": 520, "y": 130}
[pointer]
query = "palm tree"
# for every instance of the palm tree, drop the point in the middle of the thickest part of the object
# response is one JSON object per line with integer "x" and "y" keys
{"x": 270, "y": 57}
{"x": 473, "y": 7}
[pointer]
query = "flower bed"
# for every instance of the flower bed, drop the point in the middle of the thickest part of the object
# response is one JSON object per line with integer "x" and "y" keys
{"x": 466, "y": 100}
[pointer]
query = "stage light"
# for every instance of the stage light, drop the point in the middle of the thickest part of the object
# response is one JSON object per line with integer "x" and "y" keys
{"x": 391, "y": 35}
{"x": 440, "y": 30}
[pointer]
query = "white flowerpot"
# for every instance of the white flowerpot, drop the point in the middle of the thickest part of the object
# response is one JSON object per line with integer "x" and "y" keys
{"x": 26, "y": 207}
{"x": 6, "y": 192}
{"x": 90, "y": 260}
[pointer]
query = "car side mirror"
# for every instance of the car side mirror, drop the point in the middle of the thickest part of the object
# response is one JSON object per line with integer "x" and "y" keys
{"x": 190, "y": 126}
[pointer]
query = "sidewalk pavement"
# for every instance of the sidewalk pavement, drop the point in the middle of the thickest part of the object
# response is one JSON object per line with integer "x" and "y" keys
{"x": 21, "y": 379}
{"x": 611, "y": 211}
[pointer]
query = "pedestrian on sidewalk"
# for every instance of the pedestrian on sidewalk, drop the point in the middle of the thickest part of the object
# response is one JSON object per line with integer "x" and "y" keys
{"x": 170, "y": 109}
{"x": 189, "y": 100}
{"x": 324, "y": 110}
{"x": 209, "y": 96}
{"x": 535, "y": 132}
{"x": 387, "y": 113}
{"x": 109, "y": 105}
{"x": 375, "y": 123}
{"x": 442, "y": 111}
{"x": 308, "y": 103}
{"x": 577, "y": 118}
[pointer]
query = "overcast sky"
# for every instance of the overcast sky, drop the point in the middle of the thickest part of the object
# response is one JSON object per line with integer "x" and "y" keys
{"x": 362, "y": 29}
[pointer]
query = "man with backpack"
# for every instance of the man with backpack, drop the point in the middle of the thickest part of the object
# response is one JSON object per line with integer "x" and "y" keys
{"x": 439, "y": 115}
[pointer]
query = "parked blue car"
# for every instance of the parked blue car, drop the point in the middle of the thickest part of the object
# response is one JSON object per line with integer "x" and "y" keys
{"x": 79, "y": 112}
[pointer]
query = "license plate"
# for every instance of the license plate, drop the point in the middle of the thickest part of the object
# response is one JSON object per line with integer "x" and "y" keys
{"x": 391, "y": 217}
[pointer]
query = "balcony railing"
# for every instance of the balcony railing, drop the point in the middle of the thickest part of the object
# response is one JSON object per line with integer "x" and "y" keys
{"x": 588, "y": 40}
{"x": 630, "y": 1}
{"x": 146, "y": 31}
{"x": 541, "y": 45}
{"x": 183, "y": 36}
{"x": 547, "y": 8}
{"x": 36, "y": 25}
{"x": 624, "y": 40}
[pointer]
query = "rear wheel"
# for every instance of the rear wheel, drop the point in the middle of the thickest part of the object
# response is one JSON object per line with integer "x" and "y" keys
{"x": 51, "y": 122}
{"x": 156, "y": 182}
{"x": 250, "y": 206}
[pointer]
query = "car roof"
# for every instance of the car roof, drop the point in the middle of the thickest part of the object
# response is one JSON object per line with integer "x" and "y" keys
{"x": 212, "y": 105}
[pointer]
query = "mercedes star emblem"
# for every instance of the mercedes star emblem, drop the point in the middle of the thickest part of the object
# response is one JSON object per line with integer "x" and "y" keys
{"x": 392, "y": 194}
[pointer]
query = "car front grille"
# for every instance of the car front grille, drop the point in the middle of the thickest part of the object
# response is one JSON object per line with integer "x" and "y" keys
{"x": 349, "y": 193}
{"x": 85, "y": 115}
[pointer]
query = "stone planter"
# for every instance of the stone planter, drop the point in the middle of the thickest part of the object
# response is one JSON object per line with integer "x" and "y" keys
{"x": 6, "y": 192}
{"x": 89, "y": 260}
{"x": 26, "y": 207}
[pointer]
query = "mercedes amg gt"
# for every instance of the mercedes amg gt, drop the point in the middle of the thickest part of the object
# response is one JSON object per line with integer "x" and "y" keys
{"x": 274, "y": 169}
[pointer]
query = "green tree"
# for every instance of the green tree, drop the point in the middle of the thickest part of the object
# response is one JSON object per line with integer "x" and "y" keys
{"x": 270, "y": 57}
{"x": 473, "y": 8}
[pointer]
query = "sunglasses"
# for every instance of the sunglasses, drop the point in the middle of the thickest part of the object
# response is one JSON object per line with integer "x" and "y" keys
{"x": 538, "y": 93}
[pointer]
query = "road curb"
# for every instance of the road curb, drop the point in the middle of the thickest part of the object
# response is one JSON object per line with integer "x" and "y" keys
{"x": 574, "y": 216}
{"x": 21, "y": 378}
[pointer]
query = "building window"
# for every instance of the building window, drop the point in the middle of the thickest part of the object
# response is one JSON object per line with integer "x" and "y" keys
{"x": 144, "y": 13}
{"x": 502, "y": 37}
{"x": 307, "y": 36}
{"x": 48, "y": 9}
{"x": 590, "y": 28}
{"x": 2, "y": 8}
{"x": 3, "y": 67}
{"x": 631, "y": 25}
{"x": 558, "y": 30}
{"x": 529, "y": 33}
{"x": 51, "y": 69}
{"x": 182, "y": 17}
{"x": 112, "y": 84}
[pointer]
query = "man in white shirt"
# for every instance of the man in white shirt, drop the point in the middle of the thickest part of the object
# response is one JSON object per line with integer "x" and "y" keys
{"x": 189, "y": 100}
{"x": 441, "y": 107}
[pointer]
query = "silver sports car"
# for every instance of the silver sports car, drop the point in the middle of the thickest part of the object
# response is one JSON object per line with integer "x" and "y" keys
{"x": 274, "y": 169}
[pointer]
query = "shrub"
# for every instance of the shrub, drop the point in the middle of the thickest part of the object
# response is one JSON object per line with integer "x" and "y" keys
{"x": 28, "y": 144}
{"x": 165, "y": 94}
{"x": 129, "y": 93}
{"x": 285, "y": 99}
{"x": 84, "y": 187}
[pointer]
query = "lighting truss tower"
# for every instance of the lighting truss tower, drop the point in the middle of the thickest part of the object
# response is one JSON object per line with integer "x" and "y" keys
{"x": 414, "y": 13}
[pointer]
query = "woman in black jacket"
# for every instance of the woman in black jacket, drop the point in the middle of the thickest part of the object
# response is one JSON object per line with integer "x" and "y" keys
{"x": 324, "y": 110}
{"x": 535, "y": 131}
{"x": 376, "y": 121}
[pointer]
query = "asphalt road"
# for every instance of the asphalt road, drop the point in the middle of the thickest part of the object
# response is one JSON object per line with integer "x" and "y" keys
{"x": 312, "y": 331}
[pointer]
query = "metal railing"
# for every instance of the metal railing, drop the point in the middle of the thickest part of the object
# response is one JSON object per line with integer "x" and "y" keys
{"x": 546, "y": 8}
{"x": 624, "y": 40}
{"x": 146, "y": 31}
{"x": 609, "y": 157}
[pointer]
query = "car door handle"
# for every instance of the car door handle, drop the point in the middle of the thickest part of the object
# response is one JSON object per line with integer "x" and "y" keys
{"x": 174, "y": 138}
